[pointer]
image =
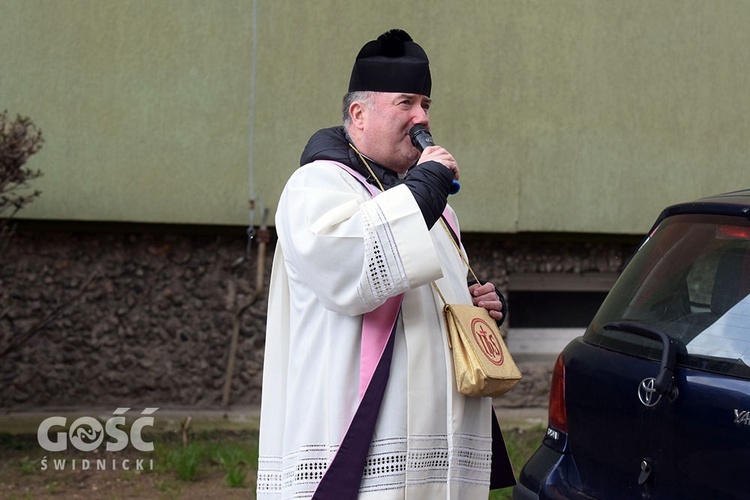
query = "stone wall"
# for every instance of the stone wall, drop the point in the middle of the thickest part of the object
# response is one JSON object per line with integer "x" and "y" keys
{"x": 134, "y": 316}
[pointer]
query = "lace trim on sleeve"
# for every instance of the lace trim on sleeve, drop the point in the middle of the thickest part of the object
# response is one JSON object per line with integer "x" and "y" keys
{"x": 384, "y": 273}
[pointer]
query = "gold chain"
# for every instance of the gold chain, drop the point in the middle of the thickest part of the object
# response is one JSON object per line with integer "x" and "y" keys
{"x": 368, "y": 166}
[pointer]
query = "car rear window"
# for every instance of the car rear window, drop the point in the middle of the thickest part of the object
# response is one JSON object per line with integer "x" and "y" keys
{"x": 691, "y": 280}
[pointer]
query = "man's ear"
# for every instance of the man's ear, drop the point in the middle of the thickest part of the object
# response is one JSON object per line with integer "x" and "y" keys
{"x": 357, "y": 112}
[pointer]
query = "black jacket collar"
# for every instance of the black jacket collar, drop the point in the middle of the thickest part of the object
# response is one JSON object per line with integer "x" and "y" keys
{"x": 332, "y": 144}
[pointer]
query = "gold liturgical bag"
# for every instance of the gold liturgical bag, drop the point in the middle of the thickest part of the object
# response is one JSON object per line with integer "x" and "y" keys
{"x": 482, "y": 363}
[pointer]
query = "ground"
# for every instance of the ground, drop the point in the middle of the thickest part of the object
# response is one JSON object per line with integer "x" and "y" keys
{"x": 215, "y": 441}
{"x": 24, "y": 474}
{"x": 114, "y": 485}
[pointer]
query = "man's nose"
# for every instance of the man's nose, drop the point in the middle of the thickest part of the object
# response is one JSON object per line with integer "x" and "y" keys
{"x": 421, "y": 117}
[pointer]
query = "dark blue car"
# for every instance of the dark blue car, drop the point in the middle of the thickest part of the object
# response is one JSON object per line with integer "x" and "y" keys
{"x": 654, "y": 400}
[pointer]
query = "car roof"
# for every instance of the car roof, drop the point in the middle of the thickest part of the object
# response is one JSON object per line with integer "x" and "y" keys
{"x": 735, "y": 203}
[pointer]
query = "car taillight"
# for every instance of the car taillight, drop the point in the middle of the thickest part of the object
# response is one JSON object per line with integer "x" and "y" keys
{"x": 558, "y": 418}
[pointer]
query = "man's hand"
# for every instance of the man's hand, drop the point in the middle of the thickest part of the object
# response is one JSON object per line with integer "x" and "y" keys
{"x": 442, "y": 156}
{"x": 485, "y": 296}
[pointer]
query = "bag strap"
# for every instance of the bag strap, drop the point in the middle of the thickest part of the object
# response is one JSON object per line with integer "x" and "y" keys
{"x": 463, "y": 258}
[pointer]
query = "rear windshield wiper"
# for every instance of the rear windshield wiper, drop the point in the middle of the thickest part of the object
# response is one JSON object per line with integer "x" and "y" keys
{"x": 664, "y": 383}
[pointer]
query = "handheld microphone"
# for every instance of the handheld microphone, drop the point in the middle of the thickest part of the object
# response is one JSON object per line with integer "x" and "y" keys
{"x": 421, "y": 138}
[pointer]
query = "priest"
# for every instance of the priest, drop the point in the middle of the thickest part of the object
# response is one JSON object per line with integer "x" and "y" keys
{"x": 359, "y": 397}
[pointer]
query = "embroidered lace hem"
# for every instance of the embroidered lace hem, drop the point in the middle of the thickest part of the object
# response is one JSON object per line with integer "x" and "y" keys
{"x": 429, "y": 459}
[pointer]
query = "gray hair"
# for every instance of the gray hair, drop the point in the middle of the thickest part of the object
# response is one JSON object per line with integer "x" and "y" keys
{"x": 363, "y": 96}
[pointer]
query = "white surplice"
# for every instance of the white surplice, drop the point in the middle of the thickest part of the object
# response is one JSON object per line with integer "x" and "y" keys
{"x": 340, "y": 254}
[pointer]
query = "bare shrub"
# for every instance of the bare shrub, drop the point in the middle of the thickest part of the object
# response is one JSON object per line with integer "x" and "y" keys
{"x": 19, "y": 139}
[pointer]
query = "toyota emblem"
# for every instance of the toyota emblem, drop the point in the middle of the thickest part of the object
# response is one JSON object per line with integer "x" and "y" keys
{"x": 647, "y": 393}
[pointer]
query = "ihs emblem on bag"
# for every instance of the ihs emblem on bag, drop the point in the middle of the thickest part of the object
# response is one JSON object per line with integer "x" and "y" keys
{"x": 487, "y": 340}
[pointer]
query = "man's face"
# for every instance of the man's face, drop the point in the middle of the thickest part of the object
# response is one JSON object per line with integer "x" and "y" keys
{"x": 386, "y": 128}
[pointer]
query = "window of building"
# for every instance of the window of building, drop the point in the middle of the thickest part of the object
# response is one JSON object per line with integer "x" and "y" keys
{"x": 548, "y": 310}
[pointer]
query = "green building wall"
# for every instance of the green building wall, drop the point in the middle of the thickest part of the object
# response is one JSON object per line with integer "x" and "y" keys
{"x": 565, "y": 116}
